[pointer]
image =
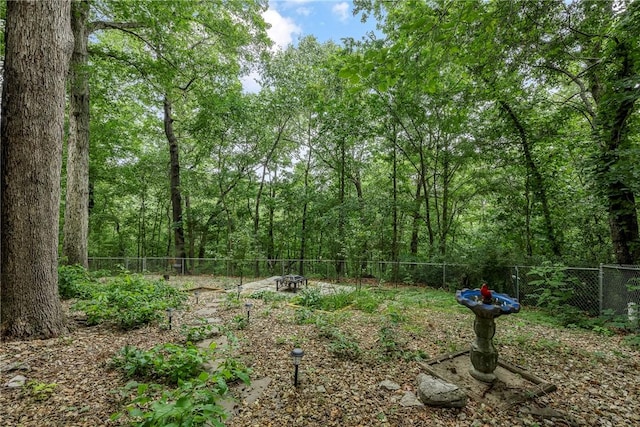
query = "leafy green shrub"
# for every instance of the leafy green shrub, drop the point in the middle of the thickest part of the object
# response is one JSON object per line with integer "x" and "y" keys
{"x": 312, "y": 298}
{"x": 633, "y": 341}
{"x": 168, "y": 363}
{"x": 341, "y": 345}
{"x": 308, "y": 297}
{"x": 240, "y": 321}
{"x": 390, "y": 346}
{"x": 130, "y": 302}
{"x": 74, "y": 281}
{"x": 336, "y": 301}
{"x": 192, "y": 403}
{"x": 40, "y": 391}
{"x": 395, "y": 315}
{"x": 554, "y": 292}
{"x": 303, "y": 316}
{"x": 197, "y": 333}
{"x": 344, "y": 346}
{"x": 368, "y": 301}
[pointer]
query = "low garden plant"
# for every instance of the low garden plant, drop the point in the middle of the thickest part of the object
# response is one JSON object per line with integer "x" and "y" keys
{"x": 74, "y": 281}
{"x": 130, "y": 301}
{"x": 167, "y": 363}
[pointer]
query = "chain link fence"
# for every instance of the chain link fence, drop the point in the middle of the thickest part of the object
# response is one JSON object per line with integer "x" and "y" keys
{"x": 620, "y": 290}
{"x": 608, "y": 289}
{"x": 578, "y": 287}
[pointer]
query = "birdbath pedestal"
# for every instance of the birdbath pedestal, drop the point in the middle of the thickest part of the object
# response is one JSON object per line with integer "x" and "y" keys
{"x": 486, "y": 305}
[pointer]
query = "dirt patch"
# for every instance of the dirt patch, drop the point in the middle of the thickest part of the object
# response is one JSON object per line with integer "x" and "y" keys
{"x": 512, "y": 386}
{"x": 598, "y": 377}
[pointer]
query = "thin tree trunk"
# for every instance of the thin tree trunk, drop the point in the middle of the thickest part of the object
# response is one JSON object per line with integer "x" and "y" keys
{"x": 305, "y": 204}
{"x": 76, "y": 215}
{"x": 176, "y": 196}
{"x": 416, "y": 221}
{"x": 38, "y": 46}
{"x": 539, "y": 188}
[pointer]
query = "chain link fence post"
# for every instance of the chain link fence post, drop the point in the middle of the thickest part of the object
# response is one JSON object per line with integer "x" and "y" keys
{"x": 600, "y": 288}
{"x": 517, "y": 284}
{"x": 444, "y": 275}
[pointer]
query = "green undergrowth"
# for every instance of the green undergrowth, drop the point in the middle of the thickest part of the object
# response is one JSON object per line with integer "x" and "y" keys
{"x": 74, "y": 281}
{"x": 170, "y": 386}
{"x": 128, "y": 301}
{"x": 369, "y": 300}
{"x": 166, "y": 363}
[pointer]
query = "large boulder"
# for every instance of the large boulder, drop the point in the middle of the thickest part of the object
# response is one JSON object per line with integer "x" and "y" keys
{"x": 433, "y": 391}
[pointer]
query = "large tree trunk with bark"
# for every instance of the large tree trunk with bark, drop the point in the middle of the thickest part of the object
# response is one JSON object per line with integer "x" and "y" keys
{"x": 616, "y": 105}
{"x": 176, "y": 195}
{"x": 76, "y": 214}
{"x": 37, "y": 52}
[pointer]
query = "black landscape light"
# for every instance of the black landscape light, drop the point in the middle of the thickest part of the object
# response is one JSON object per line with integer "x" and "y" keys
{"x": 239, "y": 289}
{"x": 170, "y": 316}
{"x": 296, "y": 357}
{"x": 247, "y": 308}
{"x": 197, "y": 294}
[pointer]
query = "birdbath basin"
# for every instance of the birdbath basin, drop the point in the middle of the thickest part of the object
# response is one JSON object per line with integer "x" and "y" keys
{"x": 486, "y": 305}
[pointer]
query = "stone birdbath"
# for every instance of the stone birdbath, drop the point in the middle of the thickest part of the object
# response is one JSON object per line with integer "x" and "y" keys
{"x": 486, "y": 305}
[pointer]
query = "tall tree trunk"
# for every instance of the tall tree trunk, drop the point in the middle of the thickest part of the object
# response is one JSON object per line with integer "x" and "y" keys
{"x": 176, "y": 196}
{"x": 191, "y": 235}
{"x": 416, "y": 220}
{"x": 340, "y": 270}
{"x": 38, "y": 45}
{"x": 395, "y": 245}
{"x": 539, "y": 188}
{"x": 76, "y": 214}
{"x": 616, "y": 104}
{"x": 305, "y": 205}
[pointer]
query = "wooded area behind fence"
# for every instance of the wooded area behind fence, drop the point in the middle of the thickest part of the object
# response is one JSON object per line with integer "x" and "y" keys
{"x": 607, "y": 289}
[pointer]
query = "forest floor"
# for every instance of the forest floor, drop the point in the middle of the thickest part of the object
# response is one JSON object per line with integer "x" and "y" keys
{"x": 597, "y": 376}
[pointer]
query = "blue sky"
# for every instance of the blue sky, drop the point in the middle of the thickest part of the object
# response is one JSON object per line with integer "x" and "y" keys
{"x": 325, "y": 19}
{"x": 293, "y": 19}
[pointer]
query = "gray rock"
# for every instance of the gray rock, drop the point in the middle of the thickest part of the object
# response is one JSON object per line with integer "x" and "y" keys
{"x": 389, "y": 385}
{"x": 433, "y": 391}
{"x": 15, "y": 366}
{"x": 17, "y": 381}
{"x": 410, "y": 400}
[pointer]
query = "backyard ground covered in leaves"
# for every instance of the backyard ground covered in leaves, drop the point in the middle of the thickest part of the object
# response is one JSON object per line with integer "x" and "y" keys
{"x": 380, "y": 334}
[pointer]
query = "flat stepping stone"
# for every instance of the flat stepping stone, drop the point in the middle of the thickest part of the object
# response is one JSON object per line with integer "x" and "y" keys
{"x": 251, "y": 393}
{"x": 220, "y": 341}
{"x": 213, "y": 365}
{"x": 206, "y": 312}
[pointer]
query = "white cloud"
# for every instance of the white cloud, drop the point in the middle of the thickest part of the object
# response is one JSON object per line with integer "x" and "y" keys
{"x": 304, "y": 11}
{"x": 282, "y": 29}
{"x": 342, "y": 11}
{"x": 250, "y": 83}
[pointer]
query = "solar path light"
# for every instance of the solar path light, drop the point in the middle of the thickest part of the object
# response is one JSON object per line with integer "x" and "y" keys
{"x": 296, "y": 357}
{"x": 170, "y": 316}
{"x": 247, "y": 307}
